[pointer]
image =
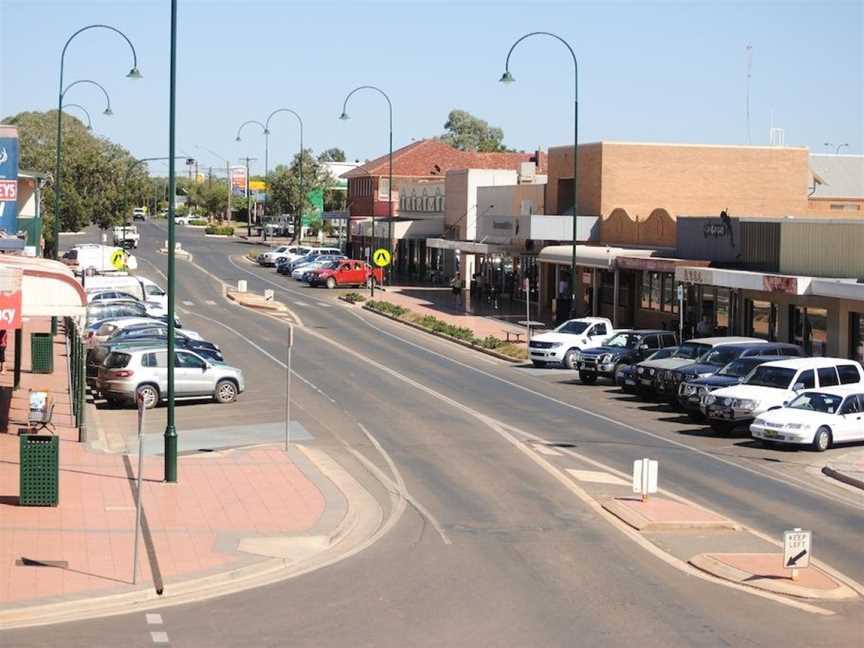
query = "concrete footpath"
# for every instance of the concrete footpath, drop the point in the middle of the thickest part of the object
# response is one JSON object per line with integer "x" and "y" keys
{"x": 230, "y": 511}
{"x": 847, "y": 468}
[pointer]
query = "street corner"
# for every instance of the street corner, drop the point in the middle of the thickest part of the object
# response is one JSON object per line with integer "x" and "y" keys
{"x": 766, "y": 571}
{"x": 847, "y": 468}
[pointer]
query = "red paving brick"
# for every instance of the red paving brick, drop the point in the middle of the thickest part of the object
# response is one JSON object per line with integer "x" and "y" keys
{"x": 763, "y": 565}
{"x": 658, "y": 509}
{"x": 219, "y": 497}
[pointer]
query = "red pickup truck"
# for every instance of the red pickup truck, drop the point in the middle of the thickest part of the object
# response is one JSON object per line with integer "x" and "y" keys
{"x": 347, "y": 272}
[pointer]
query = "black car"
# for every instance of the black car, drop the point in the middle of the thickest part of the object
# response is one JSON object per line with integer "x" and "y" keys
{"x": 690, "y": 393}
{"x": 625, "y": 374}
{"x": 626, "y": 347}
{"x": 721, "y": 356}
{"x": 282, "y": 265}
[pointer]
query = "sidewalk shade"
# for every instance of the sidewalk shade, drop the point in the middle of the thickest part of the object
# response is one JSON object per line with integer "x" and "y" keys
{"x": 39, "y": 470}
{"x": 41, "y": 353}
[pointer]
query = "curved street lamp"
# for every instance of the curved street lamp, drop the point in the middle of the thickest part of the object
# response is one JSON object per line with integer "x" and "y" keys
{"x": 248, "y": 196}
{"x": 107, "y": 112}
{"x": 507, "y": 78}
{"x": 344, "y": 116}
{"x": 837, "y": 147}
{"x": 84, "y": 110}
{"x": 133, "y": 73}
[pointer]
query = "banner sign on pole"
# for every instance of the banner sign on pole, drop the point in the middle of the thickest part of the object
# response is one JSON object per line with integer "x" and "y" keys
{"x": 238, "y": 181}
{"x": 9, "y": 179}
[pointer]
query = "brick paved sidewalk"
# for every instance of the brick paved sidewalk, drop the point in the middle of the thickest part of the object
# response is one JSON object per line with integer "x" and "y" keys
{"x": 193, "y": 528}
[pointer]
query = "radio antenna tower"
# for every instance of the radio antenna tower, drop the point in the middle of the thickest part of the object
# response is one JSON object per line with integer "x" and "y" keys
{"x": 749, "y": 50}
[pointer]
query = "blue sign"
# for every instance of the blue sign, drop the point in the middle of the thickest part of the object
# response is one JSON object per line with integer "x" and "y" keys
{"x": 9, "y": 180}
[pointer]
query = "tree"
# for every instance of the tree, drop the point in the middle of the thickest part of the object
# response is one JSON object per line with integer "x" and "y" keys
{"x": 332, "y": 155}
{"x": 284, "y": 187}
{"x": 469, "y": 133}
{"x": 96, "y": 177}
{"x": 211, "y": 197}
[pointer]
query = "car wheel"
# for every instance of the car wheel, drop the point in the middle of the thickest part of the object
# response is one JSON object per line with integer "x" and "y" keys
{"x": 722, "y": 427}
{"x": 226, "y": 392}
{"x": 768, "y": 445}
{"x": 331, "y": 283}
{"x": 696, "y": 417}
{"x": 150, "y": 394}
{"x": 538, "y": 363}
{"x": 113, "y": 401}
{"x": 821, "y": 440}
{"x": 587, "y": 378}
{"x": 570, "y": 359}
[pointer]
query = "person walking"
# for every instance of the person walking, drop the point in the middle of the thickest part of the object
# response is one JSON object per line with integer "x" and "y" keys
{"x": 4, "y": 340}
{"x": 456, "y": 287}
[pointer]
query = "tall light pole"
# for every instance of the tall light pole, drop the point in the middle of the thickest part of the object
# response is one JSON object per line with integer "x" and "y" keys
{"x": 508, "y": 78}
{"x": 84, "y": 110}
{"x": 837, "y": 147}
{"x": 344, "y": 116}
{"x": 170, "y": 436}
{"x": 266, "y": 152}
{"x": 134, "y": 73}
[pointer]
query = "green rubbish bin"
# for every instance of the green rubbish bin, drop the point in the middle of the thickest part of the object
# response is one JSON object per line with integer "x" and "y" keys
{"x": 39, "y": 470}
{"x": 41, "y": 353}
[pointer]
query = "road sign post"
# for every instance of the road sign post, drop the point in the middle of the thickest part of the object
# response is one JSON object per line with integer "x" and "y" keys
{"x": 288, "y": 388}
{"x": 139, "y": 400}
{"x": 381, "y": 258}
{"x": 796, "y": 550}
{"x": 645, "y": 477}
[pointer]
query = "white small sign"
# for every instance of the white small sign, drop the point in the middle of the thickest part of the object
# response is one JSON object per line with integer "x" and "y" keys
{"x": 680, "y": 292}
{"x": 268, "y": 295}
{"x": 241, "y": 285}
{"x": 644, "y": 476}
{"x": 796, "y": 549}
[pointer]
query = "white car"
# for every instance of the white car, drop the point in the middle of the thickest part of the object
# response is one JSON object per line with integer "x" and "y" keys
{"x": 817, "y": 418}
{"x": 289, "y": 252}
{"x": 562, "y": 345}
{"x": 181, "y": 220}
{"x": 771, "y": 384}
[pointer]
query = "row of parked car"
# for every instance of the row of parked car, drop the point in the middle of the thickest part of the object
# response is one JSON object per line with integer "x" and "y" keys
{"x": 772, "y": 388}
{"x": 126, "y": 338}
{"x": 320, "y": 266}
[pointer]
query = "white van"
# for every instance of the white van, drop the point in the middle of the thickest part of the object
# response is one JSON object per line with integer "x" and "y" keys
{"x": 771, "y": 385}
{"x": 141, "y": 288}
{"x": 91, "y": 256}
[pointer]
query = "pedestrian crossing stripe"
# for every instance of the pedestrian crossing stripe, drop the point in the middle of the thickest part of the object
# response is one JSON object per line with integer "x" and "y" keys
{"x": 299, "y": 303}
{"x": 188, "y": 303}
{"x": 210, "y": 302}
{"x": 381, "y": 257}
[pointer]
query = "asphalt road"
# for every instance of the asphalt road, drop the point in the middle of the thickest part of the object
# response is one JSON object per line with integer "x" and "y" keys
{"x": 519, "y": 560}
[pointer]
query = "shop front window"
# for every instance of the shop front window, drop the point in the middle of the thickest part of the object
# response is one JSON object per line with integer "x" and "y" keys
{"x": 810, "y": 329}
{"x": 657, "y": 292}
{"x": 856, "y": 336}
{"x": 763, "y": 320}
{"x": 723, "y": 311}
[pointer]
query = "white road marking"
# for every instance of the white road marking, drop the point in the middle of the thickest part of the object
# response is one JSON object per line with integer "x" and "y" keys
{"x": 300, "y": 303}
{"x": 159, "y": 637}
{"x": 210, "y": 302}
{"x": 323, "y": 305}
{"x": 546, "y": 450}
{"x": 188, "y": 303}
{"x": 154, "y": 619}
{"x": 595, "y": 476}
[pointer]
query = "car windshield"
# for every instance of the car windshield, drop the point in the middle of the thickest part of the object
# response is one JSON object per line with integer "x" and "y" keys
{"x": 817, "y": 402}
{"x": 573, "y": 328}
{"x": 738, "y": 368}
{"x": 777, "y": 377}
{"x": 691, "y": 351}
{"x": 623, "y": 341}
{"x": 659, "y": 354}
{"x": 721, "y": 356}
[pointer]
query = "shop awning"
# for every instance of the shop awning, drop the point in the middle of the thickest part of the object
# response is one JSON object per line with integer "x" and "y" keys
{"x": 744, "y": 280}
{"x": 838, "y": 288}
{"x": 656, "y": 264}
{"x": 468, "y": 247}
{"x": 590, "y": 256}
{"x": 48, "y": 288}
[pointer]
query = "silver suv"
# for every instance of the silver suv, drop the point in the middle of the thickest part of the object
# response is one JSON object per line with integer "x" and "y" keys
{"x": 129, "y": 372}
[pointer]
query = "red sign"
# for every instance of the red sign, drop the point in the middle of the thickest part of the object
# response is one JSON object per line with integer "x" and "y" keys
{"x": 8, "y": 190}
{"x": 773, "y": 283}
{"x": 10, "y": 298}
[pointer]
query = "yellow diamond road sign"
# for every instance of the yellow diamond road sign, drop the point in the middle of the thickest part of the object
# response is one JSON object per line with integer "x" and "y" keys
{"x": 381, "y": 257}
{"x": 118, "y": 259}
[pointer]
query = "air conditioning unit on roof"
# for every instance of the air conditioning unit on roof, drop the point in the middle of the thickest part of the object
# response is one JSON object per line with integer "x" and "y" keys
{"x": 527, "y": 172}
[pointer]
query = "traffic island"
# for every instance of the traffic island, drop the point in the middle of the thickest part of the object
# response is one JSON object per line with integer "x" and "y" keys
{"x": 660, "y": 514}
{"x": 251, "y": 300}
{"x": 765, "y": 571}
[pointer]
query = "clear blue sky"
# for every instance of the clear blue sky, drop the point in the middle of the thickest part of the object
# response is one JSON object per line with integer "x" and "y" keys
{"x": 656, "y": 71}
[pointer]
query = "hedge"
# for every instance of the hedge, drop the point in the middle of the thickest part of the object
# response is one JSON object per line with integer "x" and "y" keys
{"x": 199, "y": 221}
{"x": 220, "y": 230}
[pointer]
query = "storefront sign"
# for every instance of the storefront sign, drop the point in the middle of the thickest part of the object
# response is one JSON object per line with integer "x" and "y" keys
{"x": 773, "y": 283}
{"x": 9, "y": 179}
{"x": 715, "y": 230}
{"x": 417, "y": 198}
{"x": 10, "y": 298}
{"x": 502, "y": 225}
{"x": 238, "y": 181}
{"x": 692, "y": 275}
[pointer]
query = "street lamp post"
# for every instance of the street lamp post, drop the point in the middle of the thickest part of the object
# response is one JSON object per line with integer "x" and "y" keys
{"x": 508, "y": 78}
{"x": 344, "y": 116}
{"x": 266, "y": 152}
{"x": 170, "y": 436}
{"x": 134, "y": 73}
{"x": 837, "y": 147}
{"x": 84, "y": 110}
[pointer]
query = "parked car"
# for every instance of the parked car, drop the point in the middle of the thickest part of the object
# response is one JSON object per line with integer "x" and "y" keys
{"x": 655, "y": 376}
{"x": 561, "y": 346}
{"x": 716, "y": 359}
{"x": 818, "y": 418}
{"x": 108, "y": 296}
{"x": 100, "y": 330}
{"x": 625, "y": 374}
{"x": 93, "y": 257}
{"x": 345, "y": 272}
{"x": 97, "y": 312}
{"x": 125, "y": 374}
{"x": 139, "y": 287}
{"x": 271, "y": 257}
{"x": 313, "y": 255}
{"x": 300, "y": 271}
{"x": 181, "y": 220}
{"x": 625, "y": 347}
{"x": 691, "y": 392}
{"x": 772, "y": 384}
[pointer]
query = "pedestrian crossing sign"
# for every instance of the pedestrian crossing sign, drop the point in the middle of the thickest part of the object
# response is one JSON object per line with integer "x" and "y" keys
{"x": 118, "y": 259}
{"x": 381, "y": 257}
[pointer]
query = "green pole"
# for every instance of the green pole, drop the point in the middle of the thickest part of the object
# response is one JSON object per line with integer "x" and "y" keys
{"x": 171, "y": 428}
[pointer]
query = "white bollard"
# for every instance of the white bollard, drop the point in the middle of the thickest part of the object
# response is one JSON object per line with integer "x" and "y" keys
{"x": 241, "y": 285}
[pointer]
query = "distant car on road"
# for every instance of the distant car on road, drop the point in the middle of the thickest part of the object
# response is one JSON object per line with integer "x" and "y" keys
{"x": 346, "y": 272}
{"x": 818, "y": 418}
{"x": 562, "y": 346}
{"x": 139, "y": 214}
{"x": 126, "y": 374}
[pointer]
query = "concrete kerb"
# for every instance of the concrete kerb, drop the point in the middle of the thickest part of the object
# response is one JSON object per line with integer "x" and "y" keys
{"x": 462, "y": 343}
{"x": 836, "y": 470}
{"x": 702, "y": 520}
{"x": 712, "y": 564}
{"x": 359, "y": 524}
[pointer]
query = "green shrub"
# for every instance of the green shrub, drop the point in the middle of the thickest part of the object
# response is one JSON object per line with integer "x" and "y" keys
{"x": 491, "y": 342}
{"x": 224, "y": 230}
{"x": 387, "y": 307}
{"x": 199, "y": 221}
{"x": 353, "y": 298}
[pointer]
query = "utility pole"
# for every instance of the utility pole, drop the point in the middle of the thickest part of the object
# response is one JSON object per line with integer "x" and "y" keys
{"x": 228, "y": 180}
{"x": 247, "y": 160}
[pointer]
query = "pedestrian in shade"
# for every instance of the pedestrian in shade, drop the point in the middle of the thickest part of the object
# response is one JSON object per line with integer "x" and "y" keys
{"x": 4, "y": 340}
